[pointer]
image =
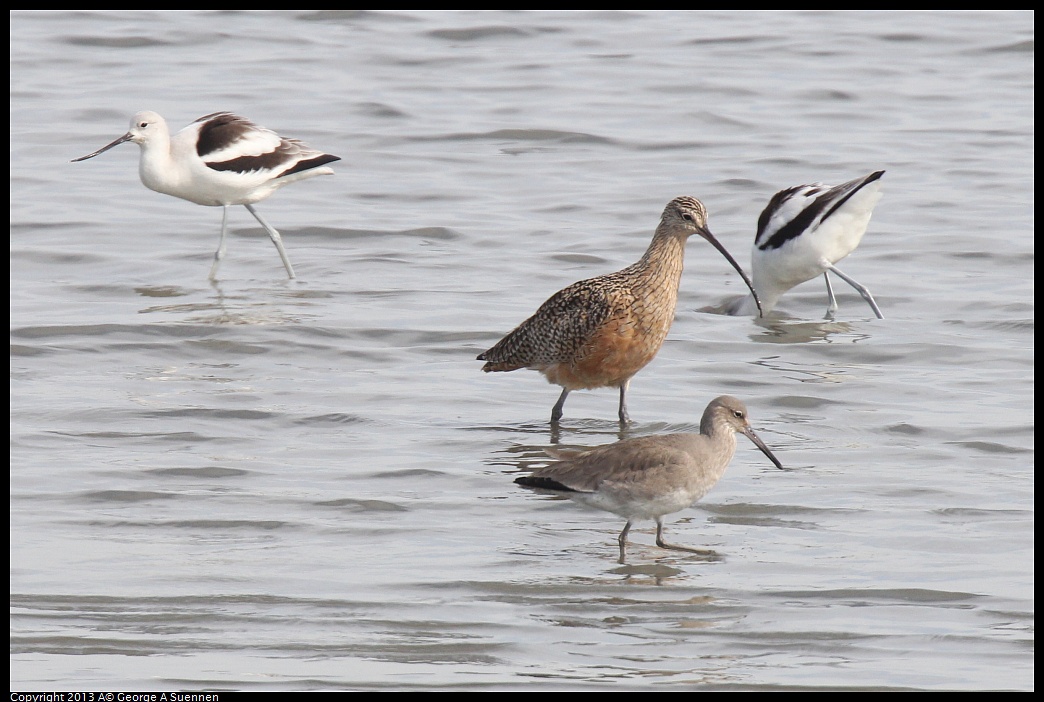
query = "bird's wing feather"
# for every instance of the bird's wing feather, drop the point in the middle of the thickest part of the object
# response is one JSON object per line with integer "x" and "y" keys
{"x": 556, "y": 333}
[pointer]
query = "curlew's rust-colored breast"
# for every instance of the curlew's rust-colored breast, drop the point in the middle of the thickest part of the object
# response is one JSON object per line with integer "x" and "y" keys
{"x": 599, "y": 332}
{"x": 595, "y": 333}
{"x": 621, "y": 345}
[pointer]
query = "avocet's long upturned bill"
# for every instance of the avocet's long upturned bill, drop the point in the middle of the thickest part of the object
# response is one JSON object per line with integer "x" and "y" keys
{"x": 220, "y": 160}
{"x": 804, "y": 231}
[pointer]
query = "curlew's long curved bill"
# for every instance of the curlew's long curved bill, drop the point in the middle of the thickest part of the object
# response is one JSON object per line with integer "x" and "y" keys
{"x": 705, "y": 233}
{"x": 749, "y": 433}
{"x": 125, "y": 137}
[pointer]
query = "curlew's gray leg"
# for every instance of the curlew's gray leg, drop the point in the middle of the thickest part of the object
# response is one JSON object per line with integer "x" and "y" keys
{"x": 622, "y": 540}
{"x": 861, "y": 289}
{"x": 624, "y": 418}
{"x": 663, "y": 544}
{"x": 276, "y": 239}
{"x": 832, "y": 305}
{"x": 556, "y": 411}
{"x": 220, "y": 253}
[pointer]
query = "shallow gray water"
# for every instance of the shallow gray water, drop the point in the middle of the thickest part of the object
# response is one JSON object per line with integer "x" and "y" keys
{"x": 272, "y": 484}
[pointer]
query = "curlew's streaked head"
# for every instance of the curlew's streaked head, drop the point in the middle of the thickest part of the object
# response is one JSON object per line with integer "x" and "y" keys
{"x": 686, "y": 212}
{"x": 688, "y": 216}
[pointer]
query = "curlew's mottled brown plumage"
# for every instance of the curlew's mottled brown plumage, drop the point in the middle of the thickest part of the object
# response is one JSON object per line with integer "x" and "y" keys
{"x": 652, "y": 476}
{"x": 599, "y": 332}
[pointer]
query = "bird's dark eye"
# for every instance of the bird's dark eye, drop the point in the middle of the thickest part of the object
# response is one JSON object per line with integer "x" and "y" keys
{"x": 737, "y": 414}
{"x": 686, "y": 216}
{"x": 143, "y": 125}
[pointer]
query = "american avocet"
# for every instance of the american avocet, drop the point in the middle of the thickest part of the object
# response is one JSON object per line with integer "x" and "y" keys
{"x": 220, "y": 160}
{"x": 804, "y": 231}
{"x": 651, "y": 476}
{"x": 599, "y": 332}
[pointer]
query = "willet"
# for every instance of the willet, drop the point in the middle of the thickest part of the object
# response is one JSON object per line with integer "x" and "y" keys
{"x": 599, "y": 332}
{"x": 220, "y": 160}
{"x": 652, "y": 476}
{"x": 804, "y": 231}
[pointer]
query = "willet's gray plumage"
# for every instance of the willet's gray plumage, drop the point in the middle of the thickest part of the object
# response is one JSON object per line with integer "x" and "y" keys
{"x": 651, "y": 476}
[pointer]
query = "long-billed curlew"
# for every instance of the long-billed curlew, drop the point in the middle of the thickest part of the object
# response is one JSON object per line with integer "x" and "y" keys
{"x": 599, "y": 332}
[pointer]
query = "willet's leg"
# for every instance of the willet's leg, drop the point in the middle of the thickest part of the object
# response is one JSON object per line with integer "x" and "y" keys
{"x": 861, "y": 289}
{"x": 663, "y": 544}
{"x": 276, "y": 239}
{"x": 556, "y": 411}
{"x": 220, "y": 253}
{"x": 622, "y": 539}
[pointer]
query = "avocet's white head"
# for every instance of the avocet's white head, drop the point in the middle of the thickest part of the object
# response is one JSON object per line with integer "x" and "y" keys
{"x": 145, "y": 127}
